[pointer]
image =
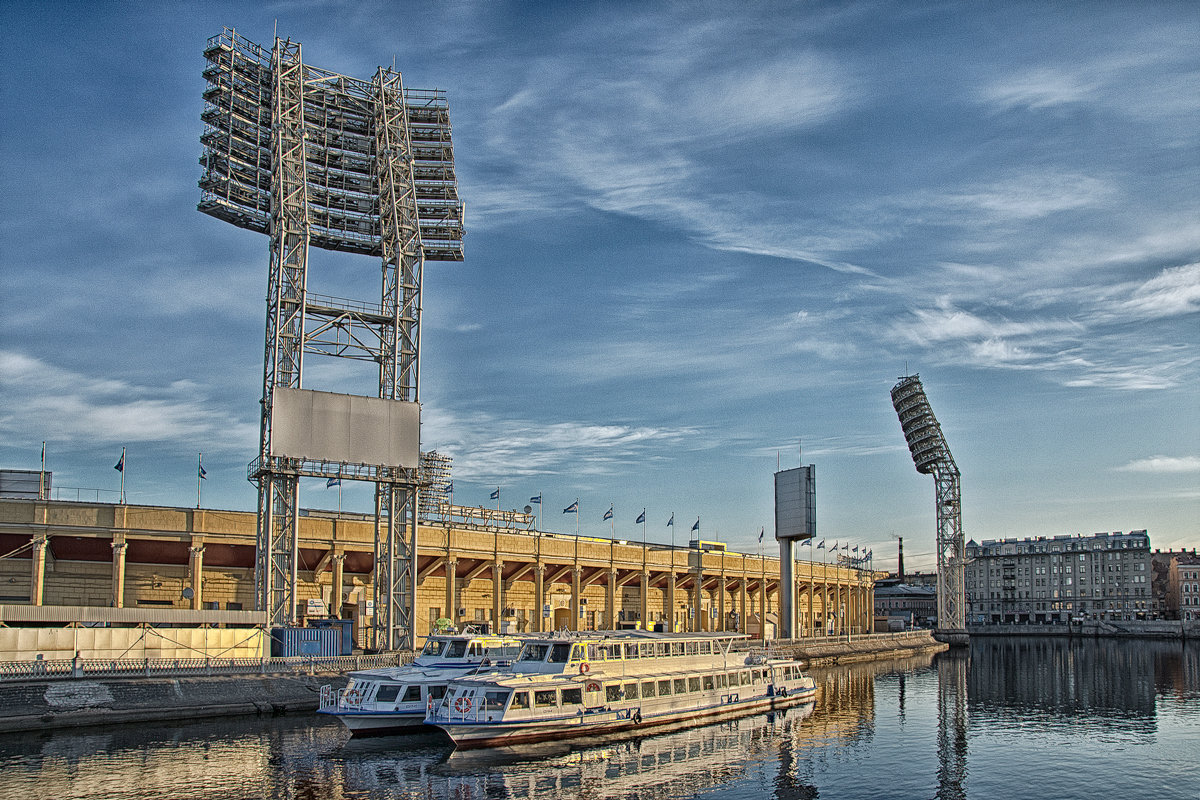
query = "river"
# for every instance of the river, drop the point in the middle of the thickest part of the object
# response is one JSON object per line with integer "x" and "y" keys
{"x": 1008, "y": 718}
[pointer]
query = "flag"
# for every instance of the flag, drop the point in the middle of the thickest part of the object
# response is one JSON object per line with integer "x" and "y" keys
{"x": 496, "y": 494}
{"x": 855, "y": 548}
{"x": 671, "y": 521}
{"x": 120, "y": 466}
{"x": 608, "y": 514}
{"x": 537, "y": 498}
{"x": 821, "y": 546}
{"x": 806, "y": 543}
{"x": 696, "y": 527}
{"x": 641, "y": 518}
{"x": 761, "y": 533}
{"x": 203, "y": 474}
{"x": 834, "y": 549}
{"x": 450, "y": 487}
{"x": 869, "y": 552}
{"x": 334, "y": 481}
{"x": 572, "y": 509}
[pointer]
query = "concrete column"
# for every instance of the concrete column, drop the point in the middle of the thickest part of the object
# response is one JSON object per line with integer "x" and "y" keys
{"x": 451, "y": 590}
{"x": 722, "y": 612}
{"x": 697, "y": 604}
{"x": 762, "y": 606}
{"x": 644, "y": 607}
{"x": 337, "y": 588}
{"x": 575, "y": 598}
{"x": 610, "y": 601}
{"x": 196, "y": 572}
{"x": 669, "y": 599}
{"x": 118, "y": 571}
{"x": 744, "y": 613}
{"x": 540, "y": 624}
{"x": 497, "y": 596}
{"x": 37, "y": 578}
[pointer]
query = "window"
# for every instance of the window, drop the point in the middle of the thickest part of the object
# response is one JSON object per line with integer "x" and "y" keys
{"x": 559, "y": 652}
{"x": 520, "y": 700}
{"x": 612, "y": 692}
{"x": 388, "y": 692}
{"x": 534, "y": 652}
{"x": 705, "y": 648}
{"x": 438, "y": 692}
{"x": 432, "y": 647}
{"x": 572, "y": 696}
{"x": 681, "y": 686}
{"x": 545, "y": 698}
{"x": 722, "y": 681}
{"x": 648, "y": 689}
{"x": 664, "y": 688}
{"x": 456, "y": 649}
{"x": 631, "y": 691}
{"x": 412, "y": 694}
{"x": 694, "y": 683}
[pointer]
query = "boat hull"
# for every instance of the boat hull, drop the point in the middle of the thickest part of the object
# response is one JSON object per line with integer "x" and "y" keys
{"x": 471, "y": 734}
{"x": 379, "y": 723}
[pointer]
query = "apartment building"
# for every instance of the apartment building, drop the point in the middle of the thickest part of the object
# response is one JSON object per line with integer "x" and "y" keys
{"x": 1059, "y": 578}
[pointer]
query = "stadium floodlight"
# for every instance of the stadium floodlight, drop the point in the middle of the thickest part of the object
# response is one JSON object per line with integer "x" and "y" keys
{"x": 311, "y": 157}
{"x": 931, "y": 455}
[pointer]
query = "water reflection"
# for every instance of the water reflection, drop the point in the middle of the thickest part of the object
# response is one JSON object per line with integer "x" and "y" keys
{"x": 952, "y": 724}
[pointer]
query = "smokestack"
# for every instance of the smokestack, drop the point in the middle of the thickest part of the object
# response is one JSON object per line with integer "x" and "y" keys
{"x": 901, "y": 569}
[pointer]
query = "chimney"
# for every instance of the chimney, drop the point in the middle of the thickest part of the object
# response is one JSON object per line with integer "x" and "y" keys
{"x": 901, "y": 566}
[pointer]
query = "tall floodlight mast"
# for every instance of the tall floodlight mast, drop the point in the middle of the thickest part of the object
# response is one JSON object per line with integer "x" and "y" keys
{"x": 931, "y": 455}
{"x": 311, "y": 157}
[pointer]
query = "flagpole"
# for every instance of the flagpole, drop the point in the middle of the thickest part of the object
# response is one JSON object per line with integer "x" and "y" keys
{"x": 122, "y": 476}
{"x": 199, "y": 472}
{"x": 42, "y": 476}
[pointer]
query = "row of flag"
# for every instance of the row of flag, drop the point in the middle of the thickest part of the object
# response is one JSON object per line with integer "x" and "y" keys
{"x": 201, "y": 472}
{"x": 573, "y": 508}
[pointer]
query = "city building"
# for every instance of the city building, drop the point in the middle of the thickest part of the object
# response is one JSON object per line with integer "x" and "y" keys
{"x": 1183, "y": 586}
{"x": 906, "y": 605}
{"x": 1060, "y": 579}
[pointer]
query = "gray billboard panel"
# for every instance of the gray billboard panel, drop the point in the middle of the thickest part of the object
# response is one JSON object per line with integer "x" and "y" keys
{"x": 324, "y": 426}
{"x": 796, "y": 503}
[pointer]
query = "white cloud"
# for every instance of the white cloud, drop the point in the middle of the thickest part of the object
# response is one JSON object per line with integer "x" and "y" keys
{"x": 1173, "y": 292}
{"x": 1163, "y": 464}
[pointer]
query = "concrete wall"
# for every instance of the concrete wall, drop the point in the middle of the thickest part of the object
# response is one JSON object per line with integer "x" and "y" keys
{"x": 25, "y": 644}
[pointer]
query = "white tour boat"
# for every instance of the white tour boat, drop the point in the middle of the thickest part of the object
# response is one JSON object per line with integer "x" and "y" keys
{"x": 395, "y": 699}
{"x": 574, "y": 684}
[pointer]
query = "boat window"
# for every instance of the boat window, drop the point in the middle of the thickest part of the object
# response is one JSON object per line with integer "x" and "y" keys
{"x": 648, "y": 689}
{"x": 694, "y": 684}
{"x": 681, "y": 686}
{"x": 559, "y": 652}
{"x": 534, "y": 652}
{"x": 387, "y": 693}
{"x": 572, "y": 696}
{"x": 721, "y": 684}
{"x": 495, "y": 701}
{"x": 676, "y": 648}
{"x": 545, "y": 698}
{"x": 664, "y": 688}
{"x": 708, "y": 682}
{"x": 457, "y": 649}
{"x": 745, "y": 678}
{"x": 612, "y": 692}
{"x": 437, "y": 692}
{"x": 693, "y": 648}
{"x": 473, "y": 650}
{"x": 631, "y": 650}
{"x": 578, "y": 653}
{"x": 520, "y": 700}
{"x": 647, "y": 649}
{"x": 662, "y": 648}
{"x": 602, "y": 653}
{"x": 705, "y": 648}
{"x": 757, "y": 676}
{"x": 631, "y": 691}
{"x": 592, "y": 653}
{"x": 433, "y": 647}
{"x": 412, "y": 694}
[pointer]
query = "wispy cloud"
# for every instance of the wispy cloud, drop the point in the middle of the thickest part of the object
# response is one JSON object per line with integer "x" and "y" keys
{"x": 1163, "y": 464}
{"x": 48, "y": 402}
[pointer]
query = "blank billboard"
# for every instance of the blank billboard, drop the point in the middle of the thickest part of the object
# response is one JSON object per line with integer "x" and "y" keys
{"x": 324, "y": 426}
{"x": 796, "y": 503}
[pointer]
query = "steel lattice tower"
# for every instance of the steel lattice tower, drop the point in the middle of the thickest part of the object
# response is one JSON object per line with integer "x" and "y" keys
{"x": 311, "y": 157}
{"x": 931, "y": 455}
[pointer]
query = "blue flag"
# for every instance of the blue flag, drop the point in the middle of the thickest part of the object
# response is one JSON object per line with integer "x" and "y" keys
{"x": 641, "y": 518}
{"x": 536, "y": 499}
{"x": 761, "y": 533}
{"x": 696, "y": 527}
{"x": 203, "y": 474}
{"x": 608, "y": 514}
{"x": 821, "y": 546}
{"x": 671, "y": 521}
{"x": 120, "y": 466}
{"x": 450, "y": 486}
{"x": 333, "y": 482}
{"x": 496, "y": 494}
{"x": 572, "y": 509}
{"x": 806, "y": 543}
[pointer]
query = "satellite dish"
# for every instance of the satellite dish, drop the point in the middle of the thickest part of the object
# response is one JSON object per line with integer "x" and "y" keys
{"x": 528, "y": 509}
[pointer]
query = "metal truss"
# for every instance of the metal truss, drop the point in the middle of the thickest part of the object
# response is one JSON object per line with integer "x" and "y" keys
{"x": 931, "y": 455}
{"x": 311, "y": 157}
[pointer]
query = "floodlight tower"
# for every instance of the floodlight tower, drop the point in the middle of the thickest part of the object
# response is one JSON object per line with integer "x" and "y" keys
{"x": 311, "y": 157}
{"x": 931, "y": 455}
{"x": 795, "y": 521}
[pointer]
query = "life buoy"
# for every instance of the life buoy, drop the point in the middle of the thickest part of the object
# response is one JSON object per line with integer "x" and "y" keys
{"x": 585, "y": 668}
{"x": 353, "y": 697}
{"x": 463, "y": 704}
{"x": 637, "y": 717}
{"x": 593, "y": 686}
{"x": 429, "y": 704}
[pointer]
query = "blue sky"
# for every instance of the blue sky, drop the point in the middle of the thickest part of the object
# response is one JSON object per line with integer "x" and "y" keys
{"x": 696, "y": 239}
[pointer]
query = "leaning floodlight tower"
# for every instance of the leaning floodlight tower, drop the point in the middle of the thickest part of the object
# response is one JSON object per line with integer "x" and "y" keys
{"x": 931, "y": 455}
{"x": 311, "y": 157}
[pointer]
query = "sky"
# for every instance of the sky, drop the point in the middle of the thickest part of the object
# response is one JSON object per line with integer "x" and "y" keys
{"x": 701, "y": 246}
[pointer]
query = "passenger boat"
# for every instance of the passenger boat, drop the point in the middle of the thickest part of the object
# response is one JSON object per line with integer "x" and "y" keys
{"x": 591, "y": 684}
{"x": 396, "y": 699}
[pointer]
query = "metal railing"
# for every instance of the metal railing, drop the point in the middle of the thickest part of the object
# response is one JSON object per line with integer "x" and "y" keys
{"x": 66, "y": 669}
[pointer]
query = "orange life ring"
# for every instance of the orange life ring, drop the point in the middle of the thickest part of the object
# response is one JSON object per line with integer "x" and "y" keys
{"x": 463, "y": 704}
{"x": 584, "y": 668}
{"x": 593, "y": 686}
{"x": 353, "y": 697}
